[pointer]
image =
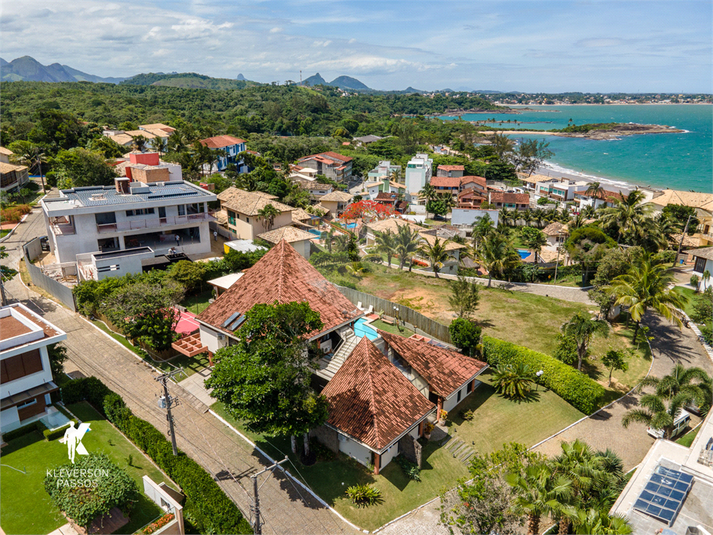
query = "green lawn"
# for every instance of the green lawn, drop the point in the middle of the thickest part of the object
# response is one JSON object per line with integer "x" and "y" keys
{"x": 687, "y": 439}
{"x": 197, "y": 303}
{"x": 496, "y": 421}
{"x": 393, "y": 329}
{"x": 26, "y": 507}
{"x": 691, "y": 294}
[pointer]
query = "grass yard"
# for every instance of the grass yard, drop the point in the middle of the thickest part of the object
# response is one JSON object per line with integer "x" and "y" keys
{"x": 691, "y": 294}
{"x": 197, "y": 303}
{"x": 687, "y": 439}
{"x": 26, "y": 507}
{"x": 393, "y": 329}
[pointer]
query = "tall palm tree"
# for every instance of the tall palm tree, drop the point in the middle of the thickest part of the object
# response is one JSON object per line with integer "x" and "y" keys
{"x": 159, "y": 144}
{"x": 582, "y": 329}
{"x": 576, "y": 222}
{"x": 448, "y": 201}
{"x": 538, "y": 216}
{"x": 694, "y": 381}
{"x": 526, "y": 216}
{"x": 589, "y": 212}
{"x": 538, "y": 492}
{"x": 139, "y": 143}
{"x": 658, "y": 412}
{"x": 595, "y": 189}
{"x": 329, "y": 239}
{"x": 429, "y": 193}
{"x": 497, "y": 254}
{"x": 268, "y": 213}
{"x": 600, "y": 522}
{"x": 505, "y": 216}
{"x": 482, "y": 230}
{"x": 436, "y": 253}
{"x": 31, "y": 155}
{"x": 386, "y": 243}
{"x": 646, "y": 286}
{"x": 407, "y": 243}
{"x": 628, "y": 216}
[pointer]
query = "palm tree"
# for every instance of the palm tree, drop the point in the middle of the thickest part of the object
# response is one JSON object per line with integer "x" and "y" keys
{"x": 538, "y": 492}
{"x": 481, "y": 230}
{"x": 329, "y": 239}
{"x": 576, "y": 222}
{"x": 682, "y": 379}
{"x": 159, "y": 144}
{"x": 497, "y": 255}
{"x": 268, "y": 213}
{"x": 600, "y": 522}
{"x": 505, "y": 215}
{"x": 645, "y": 286}
{"x": 139, "y": 143}
{"x": 502, "y": 145}
{"x": 658, "y": 412}
{"x": 429, "y": 193}
{"x": 514, "y": 381}
{"x": 386, "y": 243}
{"x": 589, "y": 212}
{"x": 436, "y": 253}
{"x": 538, "y": 216}
{"x": 31, "y": 156}
{"x": 526, "y": 216}
{"x": 448, "y": 201}
{"x": 582, "y": 329}
{"x": 628, "y": 216}
{"x": 704, "y": 280}
{"x": 407, "y": 244}
{"x": 595, "y": 189}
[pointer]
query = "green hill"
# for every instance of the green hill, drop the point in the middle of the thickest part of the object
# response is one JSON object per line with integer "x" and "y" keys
{"x": 189, "y": 80}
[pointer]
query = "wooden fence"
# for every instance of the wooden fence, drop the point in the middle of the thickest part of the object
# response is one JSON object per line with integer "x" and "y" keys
{"x": 415, "y": 321}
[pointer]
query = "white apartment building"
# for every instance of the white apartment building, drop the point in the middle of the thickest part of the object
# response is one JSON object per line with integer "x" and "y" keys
{"x": 25, "y": 365}
{"x": 418, "y": 173}
{"x": 128, "y": 215}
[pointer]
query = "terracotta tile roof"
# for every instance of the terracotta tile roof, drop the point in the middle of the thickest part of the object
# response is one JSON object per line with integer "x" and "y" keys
{"x": 340, "y": 196}
{"x": 137, "y": 133}
{"x": 449, "y": 245}
{"x": 474, "y": 179}
{"x": 452, "y": 167}
{"x": 443, "y": 369}
{"x": 330, "y": 155}
{"x": 289, "y": 234}
{"x": 324, "y": 209}
{"x": 299, "y": 215}
{"x": 220, "y": 142}
{"x": 703, "y": 201}
{"x": 534, "y": 179}
{"x": 704, "y": 252}
{"x": 370, "y": 400}
{"x": 282, "y": 275}
{"x": 556, "y": 229}
{"x": 6, "y": 152}
{"x": 471, "y": 192}
{"x": 249, "y": 202}
{"x": 392, "y": 225}
{"x": 384, "y": 196}
{"x": 611, "y": 196}
{"x": 510, "y": 198}
{"x": 445, "y": 181}
{"x": 158, "y": 126}
{"x": 121, "y": 139}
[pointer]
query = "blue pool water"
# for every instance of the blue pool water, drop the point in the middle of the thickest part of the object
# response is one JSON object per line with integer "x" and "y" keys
{"x": 361, "y": 329}
{"x": 524, "y": 253}
{"x": 349, "y": 225}
{"x": 314, "y": 231}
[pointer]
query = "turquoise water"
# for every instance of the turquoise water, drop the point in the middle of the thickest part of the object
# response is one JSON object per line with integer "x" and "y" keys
{"x": 678, "y": 161}
{"x": 524, "y": 253}
{"x": 361, "y": 330}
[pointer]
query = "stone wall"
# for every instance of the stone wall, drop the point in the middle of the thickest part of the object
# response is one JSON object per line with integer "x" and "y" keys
{"x": 327, "y": 436}
{"x": 411, "y": 449}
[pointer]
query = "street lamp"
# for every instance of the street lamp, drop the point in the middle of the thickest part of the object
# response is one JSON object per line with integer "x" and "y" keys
{"x": 538, "y": 374}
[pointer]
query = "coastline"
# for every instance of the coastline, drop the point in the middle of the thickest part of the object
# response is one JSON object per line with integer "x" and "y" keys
{"x": 557, "y": 171}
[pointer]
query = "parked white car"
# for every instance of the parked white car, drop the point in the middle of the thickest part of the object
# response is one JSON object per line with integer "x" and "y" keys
{"x": 679, "y": 423}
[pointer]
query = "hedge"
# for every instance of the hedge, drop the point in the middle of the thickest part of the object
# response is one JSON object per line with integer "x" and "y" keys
{"x": 206, "y": 505}
{"x": 571, "y": 385}
{"x": 22, "y": 431}
{"x": 52, "y": 434}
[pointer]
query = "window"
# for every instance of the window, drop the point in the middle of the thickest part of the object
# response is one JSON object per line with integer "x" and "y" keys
{"x": 247, "y": 219}
{"x": 140, "y": 211}
{"x": 26, "y": 403}
{"x": 458, "y": 397}
{"x": 231, "y": 217}
{"x": 181, "y": 209}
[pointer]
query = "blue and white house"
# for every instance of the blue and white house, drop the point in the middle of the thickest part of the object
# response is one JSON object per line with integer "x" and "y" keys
{"x": 232, "y": 146}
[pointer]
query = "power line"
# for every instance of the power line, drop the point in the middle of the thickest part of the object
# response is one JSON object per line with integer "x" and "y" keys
{"x": 169, "y": 401}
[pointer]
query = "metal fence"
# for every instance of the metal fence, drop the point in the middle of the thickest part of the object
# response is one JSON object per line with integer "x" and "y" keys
{"x": 415, "y": 321}
{"x": 55, "y": 288}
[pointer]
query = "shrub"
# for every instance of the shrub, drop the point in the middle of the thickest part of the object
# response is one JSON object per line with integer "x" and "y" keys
{"x": 22, "y": 431}
{"x": 113, "y": 488}
{"x": 514, "y": 380}
{"x": 703, "y": 306}
{"x": 155, "y": 526}
{"x": 364, "y": 495}
{"x": 206, "y": 504}
{"x": 411, "y": 470}
{"x": 52, "y": 434}
{"x": 566, "y": 350}
{"x": 465, "y": 335}
{"x": 694, "y": 281}
{"x": 707, "y": 333}
{"x": 571, "y": 385}
{"x": 467, "y": 415}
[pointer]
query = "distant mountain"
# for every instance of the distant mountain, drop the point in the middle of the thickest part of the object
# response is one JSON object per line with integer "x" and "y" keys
{"x": 29, "y": 69}
{"x": 315, "y": 79}
{"x": 347, "y": 82}
{"x": 241, "y": 77}
{"x": 189, "y": 80}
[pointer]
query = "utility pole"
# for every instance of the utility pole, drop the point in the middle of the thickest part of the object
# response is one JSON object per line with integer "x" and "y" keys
{"x": 169, "y": 402}
{"x": 683, "y": 235}
{"x": 257, "y": 527}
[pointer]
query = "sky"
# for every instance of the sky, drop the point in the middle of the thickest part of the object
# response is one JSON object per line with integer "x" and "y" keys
{"x": 501, "y": 45}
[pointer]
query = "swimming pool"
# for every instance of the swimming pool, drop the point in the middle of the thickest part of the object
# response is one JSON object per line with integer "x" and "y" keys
{"x": 524, "y": 253}
{"x": 54, "y": 419}
{"x": 361, "y": 329}
{"x": 315, "y": 231}
{"x": 349, "y": 225}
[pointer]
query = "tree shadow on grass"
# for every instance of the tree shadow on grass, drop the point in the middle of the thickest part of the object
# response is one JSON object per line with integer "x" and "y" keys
{"x": 533, "y": 396}
{"x": 22, "y": 442}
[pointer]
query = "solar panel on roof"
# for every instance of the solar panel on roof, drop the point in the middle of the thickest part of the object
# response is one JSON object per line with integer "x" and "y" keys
{"x": 231, "y": 318}
{"x": 237, "y": 323}
{"x": 664, "y": 494}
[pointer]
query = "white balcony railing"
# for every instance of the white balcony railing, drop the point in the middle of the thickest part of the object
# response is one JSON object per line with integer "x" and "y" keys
{"x": 157, "y": 222}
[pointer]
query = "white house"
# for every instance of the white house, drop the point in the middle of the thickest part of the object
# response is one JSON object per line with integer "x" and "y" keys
{"x": 25, "y": 365}
{"x": 243, "y": 212}
{"x": 604, "y": 198}
{"x": 418, "y": 173}
{"x": 559, "y": 190}
{"x": 385, "y": 169}
{"x": 703, "y": 261}
{"x": 231, "y": 147}
{"x": 556, "y": 233}
{"x": 127, "y": 215}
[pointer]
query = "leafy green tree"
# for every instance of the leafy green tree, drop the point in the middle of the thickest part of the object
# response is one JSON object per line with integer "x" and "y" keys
{"x": 703, "y": 306}
{"x": 529, "y": 154}
{"x": 514, "y": 381}
{"x": 386, "y": 244}
{"x": 107, "y": 147}
{"x": 464, "y": 297}
{"x": 31, "y": 155}
{"x": 587, "y": 246}
{"x": 498, "y": 255}
{"x": 582, "y": 329}
{"x": 615, "y": 360}
{"x": 220, "y": 183}
{"x": 58, "y": 356}
{"x": 465, "y": 335}
{"x": 264, "y": 379}
{"x": 436, "y": 253}
{"x": 647, "y": 286}
{"x": 159, "y": 145}
{"x": 189, "y": 274}
{"x": 566, "y": 350}
{"x": 437, "y": 207}
{"x": 502, "y": 145}
{"x": 84, "y": 167}
{"x": 347, "y": 243}
{"x": 481, "y": 230}
{"x": 679, "y": 214}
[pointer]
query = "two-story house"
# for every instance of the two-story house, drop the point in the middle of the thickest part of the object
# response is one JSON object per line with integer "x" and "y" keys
{"x": 130, "y": 214}
{"x": 452, "y": 171}
{"x": 385, "y": 169}
{"x": 457, "y": 185}
{"x": 243, "y": 211}
{"x": 504, "y": 199}
{"x": 329, "y": 164}
{"x": 12, "y": 177}
{"x": 230, "y": 147}
{"x": 562, "y": 190}
{"x": 26, "y": 382}
{"x": 603, "y": 198}
{"x": 382, "y": 185}
{"x": 336, "y": 202}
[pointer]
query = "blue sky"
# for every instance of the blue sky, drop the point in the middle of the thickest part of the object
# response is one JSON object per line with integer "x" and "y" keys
{"x": 588, "y": 45}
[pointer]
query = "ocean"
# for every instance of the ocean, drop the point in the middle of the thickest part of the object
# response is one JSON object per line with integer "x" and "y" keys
{"x": 679, "y": 161}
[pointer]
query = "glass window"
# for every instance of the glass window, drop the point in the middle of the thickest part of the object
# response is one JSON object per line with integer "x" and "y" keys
{"x": 181, "y": 209}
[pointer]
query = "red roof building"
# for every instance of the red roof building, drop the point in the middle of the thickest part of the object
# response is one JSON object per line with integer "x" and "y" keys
{"x": 450, "y": 170}
{"x": 329, "y": 164}
{"x": 230, "y": 147}
{"x": 455, "y": 185}
{"x": 503, "y": 199}
{"x": 372, "y": 406}
{"x": 220, "y": 142}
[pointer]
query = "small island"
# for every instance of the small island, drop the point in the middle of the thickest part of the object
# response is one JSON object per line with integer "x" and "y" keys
{"x": 613, "y": 130}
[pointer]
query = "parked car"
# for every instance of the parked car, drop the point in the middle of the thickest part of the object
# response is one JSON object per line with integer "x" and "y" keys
{"x": 680, "y": 423}
{"x": 45, "y": 243}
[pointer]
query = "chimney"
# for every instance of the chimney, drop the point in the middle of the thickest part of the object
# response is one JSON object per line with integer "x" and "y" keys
{"x": 122, "y": 185}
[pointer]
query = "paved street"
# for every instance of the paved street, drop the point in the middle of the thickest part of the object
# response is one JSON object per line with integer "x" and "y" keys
{"x": 286, "y": 507}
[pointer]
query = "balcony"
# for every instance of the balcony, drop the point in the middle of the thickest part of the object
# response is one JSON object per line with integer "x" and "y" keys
{"x": 62, "y": 226}
{"x": 154, "y": 223}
